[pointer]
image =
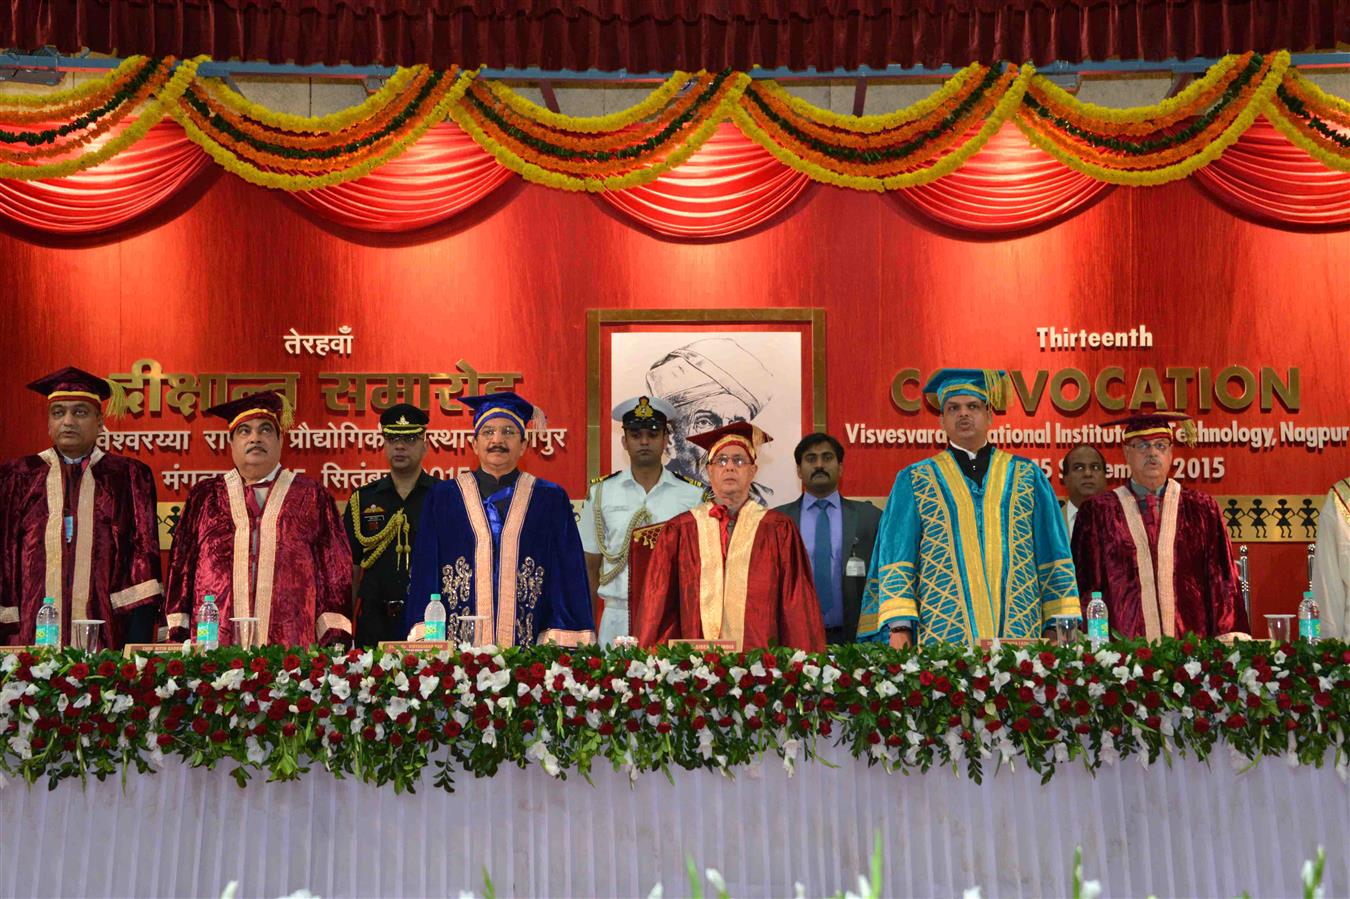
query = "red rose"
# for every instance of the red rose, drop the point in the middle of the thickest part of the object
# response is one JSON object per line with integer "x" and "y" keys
{"x": 1153, "y": 721}
{"x": 210, "y": 667}
{"x": 753, "y": 723}
{"x": 175, "y": 668}
{"x": 874, "y": 738}
{"x": 1089, "y": 659}
{"x": 925, "y": 678}
{"x": 396, "y": 739}
{"x": 424, "y": 736}
{"x": 218, "y": 736}
{"x": 164, "y": 739}
{"x": 1236, "y": 720}
{"x": 1322, "y": 698}
{"x": 107, "y": 668}
{"x": 1000, "y": 702}
{"x": 290, "y": 662}
{"x": 1111, "y": 699}
{"x": 1201, "y": 725}
{"x": 200, "y": 726}
{"x": 1143, "y": 653}
{"x": 1081, "y": 708}
{"x": 276, "y": 711}
{"x": 632, "y": 725}
{"x": 593, "y": 663}
{"x": 527, "y": 726}
{"x": 663, "y": 727}
{"x": 957, "y": 699}
{"x": 289, "y": 729}
{"x": 451, "y": 729}
{"x": 1022, "y": 725}
{"x": 1048, "y": 659}
{"x": 334, "y": 737}
{"x": 606, "y": 728}
{"x": 1025, "y": 694}
{"x": 368, "y": 733}
{"x": 993, "y": 725}
{"x": 1082, "y": 729}
{"x": 760, "y": 699}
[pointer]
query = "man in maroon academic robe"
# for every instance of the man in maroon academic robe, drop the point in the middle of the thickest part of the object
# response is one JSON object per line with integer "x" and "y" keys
{"x": 267, "y": 543}
{"x": 1158, "y": 552}
{"x": 730, "y": 569}
{"x": 78, "y": 524}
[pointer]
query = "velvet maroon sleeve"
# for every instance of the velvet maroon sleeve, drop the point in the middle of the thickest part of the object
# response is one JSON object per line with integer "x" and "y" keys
{"x": 799, "y": 623}
{"x": 9, "y": 560}
{"x": 333, "y": 567}
{"x": 658, "y": 615}
{"x": 1225, "y": 597}
{"x": 180, "y": 581}
{"x": 142, "y": 573}
{"x": 1089, "y": 560}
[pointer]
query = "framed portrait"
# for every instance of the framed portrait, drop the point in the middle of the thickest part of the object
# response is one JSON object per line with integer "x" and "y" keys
{"x": 715, "y": 366}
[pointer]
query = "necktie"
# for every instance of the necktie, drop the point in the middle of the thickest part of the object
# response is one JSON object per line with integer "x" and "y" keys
{"x": 723, "y": 516}
{"x": 494, "y": 516}
{"x": 1151, "y": 519}
{"x": 822, "y": 568}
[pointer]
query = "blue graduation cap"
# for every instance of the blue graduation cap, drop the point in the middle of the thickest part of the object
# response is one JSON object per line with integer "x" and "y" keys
{"x": 500, "y": 405}
{"x": 987, "y": 384}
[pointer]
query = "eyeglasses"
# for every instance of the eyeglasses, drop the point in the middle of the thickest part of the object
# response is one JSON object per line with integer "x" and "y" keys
{"x": 1142, "y": 446}
{"x": 505, "y": 433}
{"x": 402, "y": 439}
{"x": 728, "y": 461}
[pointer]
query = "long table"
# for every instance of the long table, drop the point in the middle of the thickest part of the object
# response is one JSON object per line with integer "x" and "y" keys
{"x": 1185, "y": 830}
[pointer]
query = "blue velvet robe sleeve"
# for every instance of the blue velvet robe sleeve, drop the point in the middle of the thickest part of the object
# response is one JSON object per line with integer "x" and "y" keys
{"x": 891, "y": 597}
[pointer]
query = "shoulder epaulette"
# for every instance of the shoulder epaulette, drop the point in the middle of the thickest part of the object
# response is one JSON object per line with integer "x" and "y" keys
{"x": 604, "y": 477}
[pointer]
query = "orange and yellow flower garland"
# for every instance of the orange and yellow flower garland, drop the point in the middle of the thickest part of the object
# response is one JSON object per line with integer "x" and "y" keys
{"x": 44, "y": 136}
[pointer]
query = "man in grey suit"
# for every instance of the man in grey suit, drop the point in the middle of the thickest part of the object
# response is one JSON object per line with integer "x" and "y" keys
{"x": 838, "y": 534}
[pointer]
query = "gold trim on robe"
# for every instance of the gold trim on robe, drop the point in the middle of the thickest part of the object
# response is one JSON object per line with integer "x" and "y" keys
{"x": 267, "y": 553}
{"x": 1157, "y": 590}
{"x": 9, "y": 614}
{"x": 331, "y": 621}
{"x": 972, "y": 551}
{"x": 82, "y": 576}
{"x": 52, "y": 542}
{"x": 510, "y": 559}
{"x": 143, "y": 590}
{"x": 240, "y": 588}
{"x": 723, "y": 585}
{"x": 482, "y": 558}
{"x": 177, "y": 620}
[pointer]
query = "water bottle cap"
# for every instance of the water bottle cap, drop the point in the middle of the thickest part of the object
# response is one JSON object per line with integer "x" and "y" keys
{"x": 1096, "y": 594}
{"x": 209, "y": 598}
{"x": 435, "y": 597}
{"x": 49, "y": 601}
{"x": 1307, "y": 594}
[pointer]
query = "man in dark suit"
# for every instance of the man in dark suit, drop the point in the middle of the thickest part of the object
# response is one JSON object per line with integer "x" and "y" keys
{"x": 838, "y": 534}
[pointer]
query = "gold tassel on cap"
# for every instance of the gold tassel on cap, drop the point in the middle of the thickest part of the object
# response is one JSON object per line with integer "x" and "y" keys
{"x": 997, "y": 385}
{"x": 287, "y": 419}
{"x": 117, "y": 404}
{"x": 1188, "y": 433}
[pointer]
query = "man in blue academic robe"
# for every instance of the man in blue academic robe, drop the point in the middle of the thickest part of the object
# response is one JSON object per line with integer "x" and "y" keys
{"x": 972, "y": 545}
{"x": 500, "y": 544}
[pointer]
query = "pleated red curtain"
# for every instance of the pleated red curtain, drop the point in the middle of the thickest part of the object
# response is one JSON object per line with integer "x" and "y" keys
{"x": 727, "y": 188}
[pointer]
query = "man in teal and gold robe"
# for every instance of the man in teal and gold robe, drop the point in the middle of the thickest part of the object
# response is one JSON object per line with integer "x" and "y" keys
{"x": 972, "y": 545}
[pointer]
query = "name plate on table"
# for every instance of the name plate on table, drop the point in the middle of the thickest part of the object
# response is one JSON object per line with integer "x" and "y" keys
{"x": 155, "y": 649}
{"x": 10, "y": 650}
{"x": 987, "y": 643}
{"x": 416, "y": 645}
{"x": 724, "y": 645}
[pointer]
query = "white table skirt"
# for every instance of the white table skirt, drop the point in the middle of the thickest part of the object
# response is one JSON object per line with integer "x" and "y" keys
{"x": 1190, "y": 830}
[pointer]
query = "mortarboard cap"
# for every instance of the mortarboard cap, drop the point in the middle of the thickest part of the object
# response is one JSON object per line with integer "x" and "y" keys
{"x": 501, "y": 405}
{"x": 264, "y": 404}
{"x": 70, "y": 384}
{"x": 1156, "y": 424}
{"x": 987, "y": 384}
{"x": 739, "y": 433}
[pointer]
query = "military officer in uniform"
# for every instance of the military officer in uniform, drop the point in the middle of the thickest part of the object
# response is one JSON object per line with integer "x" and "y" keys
{"x": 616, "y": 505}
{"x": 381, "y": 522}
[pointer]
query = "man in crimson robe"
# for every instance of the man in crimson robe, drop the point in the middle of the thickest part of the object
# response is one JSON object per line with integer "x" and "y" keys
{"x": 1157, "y": 552}
{"x": 500, "y": 545}
{"x": 267, "y": 543}
{"x": 78, "y": 524}
{"x": 730, "y": 569}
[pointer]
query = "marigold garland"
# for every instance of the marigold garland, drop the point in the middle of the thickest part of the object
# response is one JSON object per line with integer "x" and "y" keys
{"x": 613, "y": 121}
{"x": 150, "y": 116}
{"x": 243, "y": 107}
{"x": 906, "y": 147}
{"x": 1259, "y": 103}
{"x": 72, "y": 94}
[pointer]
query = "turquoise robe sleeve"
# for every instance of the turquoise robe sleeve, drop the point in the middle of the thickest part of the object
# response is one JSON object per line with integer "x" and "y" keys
{"x": 891, "y": 597}
{"x": 1054, "y": 561}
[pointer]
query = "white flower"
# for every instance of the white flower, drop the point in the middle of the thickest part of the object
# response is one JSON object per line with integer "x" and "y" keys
{"x": 229, "y": 679}
{"x": 231, "y": 889}
{"x": 972, "y": 893}
{"x": 1091, "y": 889}
{"x": 624, "y": 641}
{"x": 9, "y": 662}
{"x": 495, "y": 681}
{"x": 657, "y": 891}
{"x": 44, "y": 671}
{"x": 341, "y": 689}
{"x": 1192, "y": 669}
{"x": 715, "y": 878}
{"x": 167, "y": 689}
{"x": 254, "y": 750}
{"x": 401, "y": 682}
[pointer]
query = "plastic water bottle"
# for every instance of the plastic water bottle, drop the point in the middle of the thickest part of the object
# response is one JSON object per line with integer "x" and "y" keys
{"x": 1096, "y": 621}
{"x": 208, "y": 623}
{"x": 433, "y": 620}
{"x": 1309, "y": 619}
{"x": 48, "y": 624}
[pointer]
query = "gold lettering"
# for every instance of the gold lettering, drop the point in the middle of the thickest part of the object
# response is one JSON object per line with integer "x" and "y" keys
{"x": 1287, "y": 390}
{"x": 1148, "y": 390}
{"x": 1030, "y": 399}
{"x": 1181, "y": 377}
{"x": 1229, "y": 401}
{"x": 902, "y": 402}
{"x": 1108, "y": 401}
{"x": 1204, "y": 390}
{"x": 1081, "y": 397}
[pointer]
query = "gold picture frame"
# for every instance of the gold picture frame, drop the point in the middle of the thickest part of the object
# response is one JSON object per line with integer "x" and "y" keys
{"x": 598, "y": 321}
